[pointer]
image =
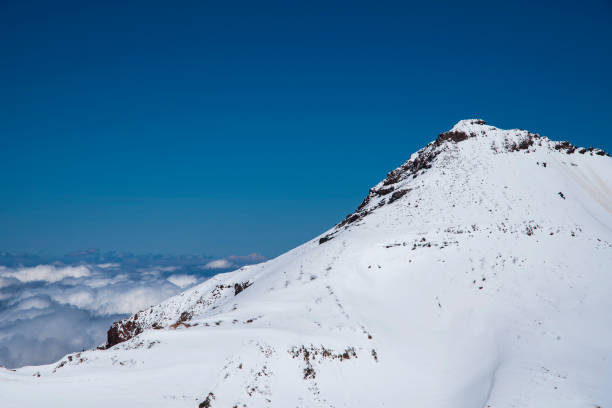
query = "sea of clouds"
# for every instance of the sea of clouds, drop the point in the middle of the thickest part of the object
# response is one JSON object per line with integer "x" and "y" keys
{"x": 51, "y": 307}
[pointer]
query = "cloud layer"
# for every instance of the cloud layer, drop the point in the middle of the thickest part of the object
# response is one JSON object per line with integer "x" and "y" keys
{"x": 234, "y": 261}
{"x": 51, "y": 309}
{"x": 46, "y": 273}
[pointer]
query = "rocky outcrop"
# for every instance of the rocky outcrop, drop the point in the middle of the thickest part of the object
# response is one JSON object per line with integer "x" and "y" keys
{"x": 123, "y": 330}
{"x": 239, "y": 287}
{"x": 453, "y": 136}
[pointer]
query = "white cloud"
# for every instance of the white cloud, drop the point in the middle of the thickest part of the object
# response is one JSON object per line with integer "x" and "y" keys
{"x": 234, "y": 261}
{"x": 109, "y": 265}
{"x": 49, "y": 310}
{"x": 167, "y": 268}
{"x": 130, "y": 300}
{"x": 47, "y": 273}
{"x": 6, "y": 281}
{"x": 218, "y": 264}
{"x": 82, "y": 299}
{"x": 32, "y": 303}
{"x": 97, "y": 282}
{"x": 247, "y": 259}
{"x": 182, "y": 281}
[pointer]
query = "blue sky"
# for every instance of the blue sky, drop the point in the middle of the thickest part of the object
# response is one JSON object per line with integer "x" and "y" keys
{"x": 238, "y": 127}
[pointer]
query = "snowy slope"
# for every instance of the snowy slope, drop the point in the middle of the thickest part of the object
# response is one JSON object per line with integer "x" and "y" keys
{"x": 477, "y": 274}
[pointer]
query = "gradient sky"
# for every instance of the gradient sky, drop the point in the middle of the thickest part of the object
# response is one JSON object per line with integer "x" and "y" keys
{"x": 235, "y": 127}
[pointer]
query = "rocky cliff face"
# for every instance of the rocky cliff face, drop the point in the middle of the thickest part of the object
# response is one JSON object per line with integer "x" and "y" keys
{"x": 475, "y": 274}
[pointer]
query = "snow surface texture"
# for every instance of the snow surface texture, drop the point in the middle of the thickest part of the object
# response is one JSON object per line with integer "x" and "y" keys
{"x": 477, "y": 274}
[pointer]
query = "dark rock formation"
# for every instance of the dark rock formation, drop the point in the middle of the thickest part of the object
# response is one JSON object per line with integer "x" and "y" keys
{"x": 326, "y": 238}
{"x": 122, "y": 330}
{"x": 239, "y": 287}
{"x": 398, "y": 194}
{"x": 453, "y": 136}
{"x": 206, "y": 403}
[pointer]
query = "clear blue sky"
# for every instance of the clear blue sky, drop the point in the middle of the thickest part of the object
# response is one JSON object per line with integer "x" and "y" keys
{"x": 233, "y": 127}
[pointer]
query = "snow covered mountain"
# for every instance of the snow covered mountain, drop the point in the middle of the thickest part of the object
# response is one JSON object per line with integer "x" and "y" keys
{"x": 477, "y": 274}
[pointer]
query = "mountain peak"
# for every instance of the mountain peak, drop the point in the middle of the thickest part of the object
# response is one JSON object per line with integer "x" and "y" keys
{"x": 468, "y": 124}
{"x": 471, "y": 147}
{"x": 469, "y": 128}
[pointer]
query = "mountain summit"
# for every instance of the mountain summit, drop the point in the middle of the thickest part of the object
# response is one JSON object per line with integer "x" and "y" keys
{"x": 476, "y": 274}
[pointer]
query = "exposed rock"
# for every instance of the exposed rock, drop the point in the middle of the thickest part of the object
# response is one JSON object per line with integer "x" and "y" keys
{"x": 525, "y": 143}
{"x": 326, "y": 238}
{"x": 239, "y": 287}
{"x": 207, "y": 402}
{"x": 182, "y": 320}
{"x": 382, "y": 191}
{"x": 567, "y": 146}
{"x": 398, "y": 194}
{"x": 121, "y": 331}
{"x": 454, "y": 136}
{"x": 311, "y": 353}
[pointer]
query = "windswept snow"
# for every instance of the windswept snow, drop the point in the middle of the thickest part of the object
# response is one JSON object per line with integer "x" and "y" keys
{"x": 477, "y": 274}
